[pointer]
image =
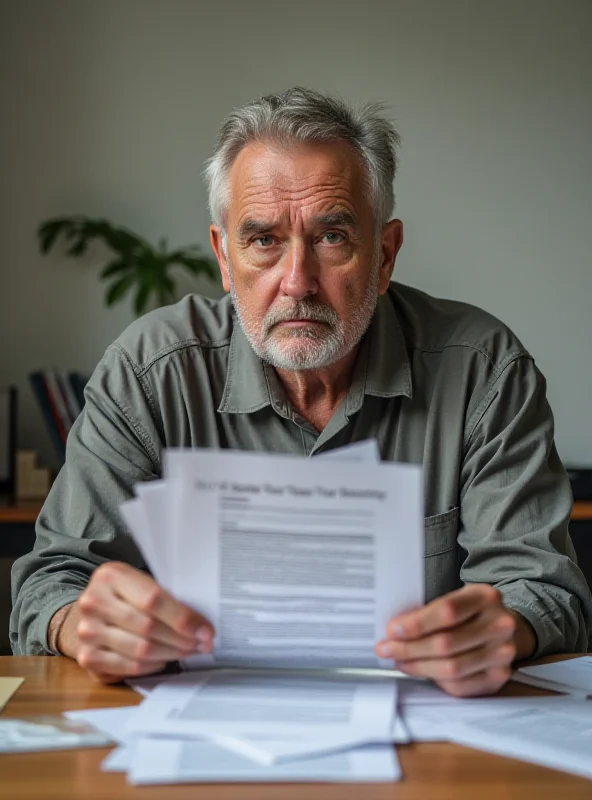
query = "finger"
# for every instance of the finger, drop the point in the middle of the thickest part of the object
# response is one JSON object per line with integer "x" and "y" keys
{"x": 103, "y": 604}
{"x": 460, "y": 666}
{"x": 444, "y": 612}
{"x": 107, "y": 664}
{"x": 482, "y": 683}
{"x": 93, "y": 631}
{"x": 142, "y": 592}
{"x": 492, "y": 626}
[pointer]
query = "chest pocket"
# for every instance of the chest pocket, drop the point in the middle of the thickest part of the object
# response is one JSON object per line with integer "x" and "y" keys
{"x": 441, "y": 554}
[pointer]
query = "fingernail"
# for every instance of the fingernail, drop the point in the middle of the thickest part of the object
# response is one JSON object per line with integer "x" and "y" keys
{"x": 385, "y": 649}
{"x": 203, "y": 635}
{"x": 398, "y": 632}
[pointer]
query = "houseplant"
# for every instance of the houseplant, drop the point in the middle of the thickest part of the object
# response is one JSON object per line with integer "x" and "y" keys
{"x": 136, "y": 265}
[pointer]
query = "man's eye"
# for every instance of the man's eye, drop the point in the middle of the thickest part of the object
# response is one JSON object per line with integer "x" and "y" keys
{"x": 333, "y": 237}
{"x": 263, "y": 241}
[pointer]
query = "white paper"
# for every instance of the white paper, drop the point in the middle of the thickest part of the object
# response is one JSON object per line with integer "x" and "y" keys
{"x": 157, "y": 761}
{"x": 134, "y": 516}
{"x": 574, "y": 674}
{"x": 440, "y": 722}
{"x": 246, "y": 704}
{"x": 110, "y": 721}
{"x": 558, "y": 739}
{"x": 295, "y": 564}
{"x": 120, "y": 759}
{"x": 363, "y": 452}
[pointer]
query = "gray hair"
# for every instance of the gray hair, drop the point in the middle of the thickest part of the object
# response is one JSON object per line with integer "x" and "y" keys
{"x": 304, "y": 116}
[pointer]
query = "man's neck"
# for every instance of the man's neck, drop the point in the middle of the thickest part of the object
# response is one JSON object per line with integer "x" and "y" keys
{"x": 316, "y": 394}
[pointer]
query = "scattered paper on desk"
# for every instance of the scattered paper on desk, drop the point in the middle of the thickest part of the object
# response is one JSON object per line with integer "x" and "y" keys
{"x": 249, "y": 703}
{"x": 573, "y": 675}
{"x": 109, "y": 721}
{"x": 47, "y": 733}
{"x": 157, "y": 761}
{"x": 561, "y": 739}
{"x": 8, "y": 687}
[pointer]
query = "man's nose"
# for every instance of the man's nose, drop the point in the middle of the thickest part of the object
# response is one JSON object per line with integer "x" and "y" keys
{"x": 300, "y": 272}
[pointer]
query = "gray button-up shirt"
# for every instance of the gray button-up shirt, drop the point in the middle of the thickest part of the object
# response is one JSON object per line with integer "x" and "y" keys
{"x": 436, "y": 382}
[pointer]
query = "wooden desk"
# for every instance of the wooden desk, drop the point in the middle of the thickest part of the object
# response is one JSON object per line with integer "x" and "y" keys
{"x": 431, "y": 771}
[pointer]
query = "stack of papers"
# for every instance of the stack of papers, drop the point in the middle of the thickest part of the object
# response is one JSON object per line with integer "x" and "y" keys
{"x": 296, "y": 562}
{"x": 187, "y": 757}
{"x": 551, "y": 731}
{"x": 299, "y": 564}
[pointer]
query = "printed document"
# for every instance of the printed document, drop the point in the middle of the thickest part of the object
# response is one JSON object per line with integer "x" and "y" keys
{"x": 157, "y": 761}
{"x": 558, "y": 739}
{"x": 251, "y": 703}
{"x": 295, "y": 563}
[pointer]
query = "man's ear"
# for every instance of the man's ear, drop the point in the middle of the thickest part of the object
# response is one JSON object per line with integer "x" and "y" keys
{"x": 216, "y": 240}
{"x": 391, "y": 243}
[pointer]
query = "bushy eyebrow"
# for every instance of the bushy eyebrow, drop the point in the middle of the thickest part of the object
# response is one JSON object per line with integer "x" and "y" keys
{"x": 332, "y": 219}
{"x": 250, "y": 226}
{"x": 337, "y": 219}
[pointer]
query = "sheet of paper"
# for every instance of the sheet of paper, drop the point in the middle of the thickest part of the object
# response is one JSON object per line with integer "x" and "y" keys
{"x": 439, "y": 722}
{"x": 296, "y": 565}
{"x": 558, "y": 739}
{"x": 120, "y": 759}
{"x": 110, "y": 721}
{"x": 158, "y": 762}
{"x": 245, "y": 703}
{"x": 32, "y": 734}
{"x": 575, "y": 673}
{"x": 363, "y": 452}
{"x": 134, "y": 516}
{"x": 8, "y": 687}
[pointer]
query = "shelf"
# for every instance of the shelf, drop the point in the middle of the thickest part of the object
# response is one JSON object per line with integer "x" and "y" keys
{"x": 582, "y": 511}
{"x": 22, "y": 513}
{"x": 28, "y": 512}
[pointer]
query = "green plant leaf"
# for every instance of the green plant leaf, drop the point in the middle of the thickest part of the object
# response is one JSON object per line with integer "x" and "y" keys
{"x": 49, "y": 232}
{"x": 142, "y": 295}
{"x": 114, "y": 267}
{"x": 118, "y": 289}
{"x": 195, "y": 265}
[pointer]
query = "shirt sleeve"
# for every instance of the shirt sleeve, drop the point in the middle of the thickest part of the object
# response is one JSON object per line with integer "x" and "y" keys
{"x": 112, "y": 446}
{"x": 515, "y": 508}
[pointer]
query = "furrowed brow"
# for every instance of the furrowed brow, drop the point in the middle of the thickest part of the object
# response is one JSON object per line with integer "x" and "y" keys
{"x": 341, "y": 219}
{"x": 250, "y": 226}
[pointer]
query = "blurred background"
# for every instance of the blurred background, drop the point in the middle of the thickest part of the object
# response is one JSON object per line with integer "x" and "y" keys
{"x": 110, "y": 109}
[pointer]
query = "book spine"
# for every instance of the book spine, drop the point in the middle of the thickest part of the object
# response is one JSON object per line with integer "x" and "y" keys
{"x": 57, "y": 400}
{"x": 40, "y": 391}
{"x": 74, "y": 408}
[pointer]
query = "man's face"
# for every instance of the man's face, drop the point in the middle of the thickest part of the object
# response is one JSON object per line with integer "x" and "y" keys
{"x": 304, "y": 260}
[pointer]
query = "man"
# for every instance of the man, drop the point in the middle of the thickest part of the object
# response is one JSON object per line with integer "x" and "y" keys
{"x": 312, "y": 349}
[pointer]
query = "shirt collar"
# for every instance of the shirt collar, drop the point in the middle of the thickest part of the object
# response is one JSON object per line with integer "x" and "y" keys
{"x": 382, "y": 368}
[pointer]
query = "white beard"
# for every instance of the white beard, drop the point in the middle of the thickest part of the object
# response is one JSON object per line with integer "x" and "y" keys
{"x": 314, "y": 347}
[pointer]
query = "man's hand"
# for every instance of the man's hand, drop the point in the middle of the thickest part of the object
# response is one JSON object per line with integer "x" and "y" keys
{"x": 465, "y": 641}
{"x": 124, "y": 624}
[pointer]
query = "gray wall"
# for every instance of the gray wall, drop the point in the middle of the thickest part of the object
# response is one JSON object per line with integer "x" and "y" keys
{"x": 111, "y": 107}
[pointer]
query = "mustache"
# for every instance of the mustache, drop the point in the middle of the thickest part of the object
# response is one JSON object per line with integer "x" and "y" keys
{"x": 301, "y": 309}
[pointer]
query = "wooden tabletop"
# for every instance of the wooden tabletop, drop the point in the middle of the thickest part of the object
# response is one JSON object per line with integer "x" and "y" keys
{"x": 431, "y": 771}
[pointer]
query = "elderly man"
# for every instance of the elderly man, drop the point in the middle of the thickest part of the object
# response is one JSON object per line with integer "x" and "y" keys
{"x": 314, "y": 348}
